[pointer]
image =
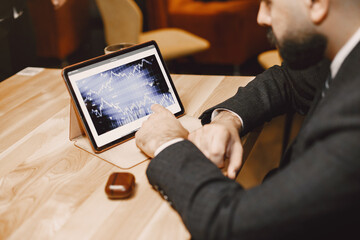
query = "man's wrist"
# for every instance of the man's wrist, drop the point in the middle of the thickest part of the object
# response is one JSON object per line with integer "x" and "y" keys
{"x": 227, "y": 116}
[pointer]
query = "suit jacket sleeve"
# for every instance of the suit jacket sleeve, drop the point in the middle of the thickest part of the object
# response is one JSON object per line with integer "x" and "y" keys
{"x": 274, "y": 92}
{"x": 306, "y": 200}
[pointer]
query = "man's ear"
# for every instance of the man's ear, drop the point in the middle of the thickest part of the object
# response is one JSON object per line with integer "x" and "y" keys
{"x": 318, "y": 10}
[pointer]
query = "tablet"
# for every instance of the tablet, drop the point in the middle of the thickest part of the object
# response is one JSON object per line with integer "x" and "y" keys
{"x": 113, "y": 93}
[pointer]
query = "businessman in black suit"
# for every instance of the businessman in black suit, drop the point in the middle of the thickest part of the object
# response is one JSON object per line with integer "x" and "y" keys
{"x": 315, "y": 193}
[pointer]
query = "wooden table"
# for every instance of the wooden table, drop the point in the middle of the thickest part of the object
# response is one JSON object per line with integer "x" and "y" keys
{"x": 49, "y": 189}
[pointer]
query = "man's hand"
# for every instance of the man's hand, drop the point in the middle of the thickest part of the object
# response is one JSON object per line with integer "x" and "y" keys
{"x": 220, "y": 140}
{"x": 161, "y": 127}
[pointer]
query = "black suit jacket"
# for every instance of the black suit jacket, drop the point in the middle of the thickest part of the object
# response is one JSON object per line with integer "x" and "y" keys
{"x": 315, "y": 194}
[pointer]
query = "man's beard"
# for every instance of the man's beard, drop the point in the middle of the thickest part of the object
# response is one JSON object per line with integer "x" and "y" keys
{"x": 301, "y": 53}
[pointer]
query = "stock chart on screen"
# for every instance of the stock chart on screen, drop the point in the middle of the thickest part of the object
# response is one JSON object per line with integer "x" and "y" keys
{"x": 124, "y": 94}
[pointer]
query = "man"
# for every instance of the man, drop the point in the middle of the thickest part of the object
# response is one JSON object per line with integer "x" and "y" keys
{"x": 315, "y": 193}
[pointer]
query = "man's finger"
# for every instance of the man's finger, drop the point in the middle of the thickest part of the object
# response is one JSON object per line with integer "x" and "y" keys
{"x": 217, "y": 148}
{"x": 236, "y": 152}
{"x": 157, "y": 108}
{"x": 192, "y": 137}
{"x": 195, "y": 137}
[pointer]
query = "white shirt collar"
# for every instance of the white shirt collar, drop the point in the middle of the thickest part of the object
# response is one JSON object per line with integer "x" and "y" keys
{"x": 343, "y": 53}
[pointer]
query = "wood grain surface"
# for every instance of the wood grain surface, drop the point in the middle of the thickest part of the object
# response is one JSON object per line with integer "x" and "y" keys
{"x": 50, "y": 189}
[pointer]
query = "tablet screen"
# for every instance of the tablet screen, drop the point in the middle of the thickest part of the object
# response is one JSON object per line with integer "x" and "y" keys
{"x": 114, "y": 93}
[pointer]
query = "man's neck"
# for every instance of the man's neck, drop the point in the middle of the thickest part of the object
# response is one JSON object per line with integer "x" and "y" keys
{"x": 339, "y": 27}
{"x": 337, "y": 40}
{"x": 344, "y": 52}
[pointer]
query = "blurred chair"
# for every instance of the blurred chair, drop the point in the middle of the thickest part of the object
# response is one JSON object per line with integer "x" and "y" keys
{"x": 230, "y": 26}
{"x": 269, "y": 58}
{"x": 123, "y": 24}
{"x": 17, "y": 40}
{"x": 60, "y": 26}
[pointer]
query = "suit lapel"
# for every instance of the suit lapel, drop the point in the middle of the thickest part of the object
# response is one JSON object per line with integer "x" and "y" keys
{"x": 287, "y": 154}
{"x": 350, "y": 61}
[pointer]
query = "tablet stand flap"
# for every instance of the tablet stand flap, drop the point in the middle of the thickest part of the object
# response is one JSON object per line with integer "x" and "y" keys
{"x": 125, "y": 155}
{"x": 76, "y": 129}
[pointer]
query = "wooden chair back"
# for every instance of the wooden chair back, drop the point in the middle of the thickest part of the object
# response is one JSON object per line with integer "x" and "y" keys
{"x": 122, "y": 20}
